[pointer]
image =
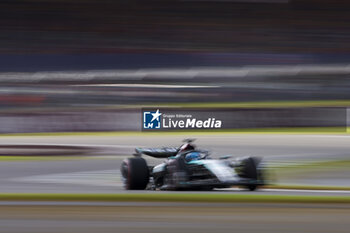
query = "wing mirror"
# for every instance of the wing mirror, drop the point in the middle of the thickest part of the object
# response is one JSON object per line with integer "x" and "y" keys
{"x": 225, "y": 157}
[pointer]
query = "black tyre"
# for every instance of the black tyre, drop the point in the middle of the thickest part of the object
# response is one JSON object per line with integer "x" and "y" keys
{"x": 135, "y": 173}
{"x": 250, "y": 171}
{"x": 249, "y": 168}
{"x": 251, "y": 187}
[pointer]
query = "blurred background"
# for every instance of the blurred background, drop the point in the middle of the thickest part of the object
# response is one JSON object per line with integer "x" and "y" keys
{"x": 81, "y": 61}
{"x": 91, "y": 66}
{"x": 79, "y": 57}
{"x": 68, "y": 67}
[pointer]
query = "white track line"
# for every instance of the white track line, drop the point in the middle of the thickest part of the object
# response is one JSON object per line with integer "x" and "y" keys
{"x": 93, "y": 178}
{"x": 297, "y": 190}
{"x": 113, "y": 178}
{"x": 73, "y": 145}
{"x": 308, "y": 190}
{"x": 145, "y": 85}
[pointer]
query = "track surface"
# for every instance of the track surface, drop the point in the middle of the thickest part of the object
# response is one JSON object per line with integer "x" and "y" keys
{"x": 172, "y": 217}
{"x": 100, "y": 173}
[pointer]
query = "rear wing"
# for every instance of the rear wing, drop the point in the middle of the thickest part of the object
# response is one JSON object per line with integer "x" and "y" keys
{"x": 165, "y": 152}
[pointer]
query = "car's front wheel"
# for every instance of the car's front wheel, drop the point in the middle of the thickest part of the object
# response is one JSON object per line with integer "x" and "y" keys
{"x": 251, "y": 187}
{"x": 250, "y": 170}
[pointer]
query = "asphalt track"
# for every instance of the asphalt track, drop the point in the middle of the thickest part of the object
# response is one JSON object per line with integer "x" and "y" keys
{"x": 172, "y": 217}
{"x": 99, "y": 172}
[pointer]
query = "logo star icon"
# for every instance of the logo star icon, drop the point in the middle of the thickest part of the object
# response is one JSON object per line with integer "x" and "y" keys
{"x": 156, "y": 115}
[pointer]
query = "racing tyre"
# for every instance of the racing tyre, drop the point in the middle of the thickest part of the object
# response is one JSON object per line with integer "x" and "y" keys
{"x": 250, "y": 171}
{"x": 135, "y": 173}
{"x": 251, "y": 187}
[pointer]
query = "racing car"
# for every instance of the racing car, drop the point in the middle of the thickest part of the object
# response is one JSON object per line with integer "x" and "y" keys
{"x": 188, "y": 168}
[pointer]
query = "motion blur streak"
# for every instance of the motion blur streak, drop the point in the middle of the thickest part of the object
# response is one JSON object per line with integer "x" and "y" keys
{"x": 161, "y": 217}
{"x": 170, "y": 73}
{"x": 75, "y": 76}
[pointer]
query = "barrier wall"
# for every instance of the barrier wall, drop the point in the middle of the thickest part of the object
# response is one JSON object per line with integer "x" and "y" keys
{"x": 130, "y": 119}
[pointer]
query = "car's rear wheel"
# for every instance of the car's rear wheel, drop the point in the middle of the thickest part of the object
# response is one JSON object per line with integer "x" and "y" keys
{"x": 135, "y": 173}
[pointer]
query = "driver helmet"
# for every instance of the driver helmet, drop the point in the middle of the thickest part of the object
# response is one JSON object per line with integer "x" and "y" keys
{"x": 192, "y": 156}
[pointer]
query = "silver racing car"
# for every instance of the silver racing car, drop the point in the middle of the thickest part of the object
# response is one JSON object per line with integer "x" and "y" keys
{"x": 187, "y": 168}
